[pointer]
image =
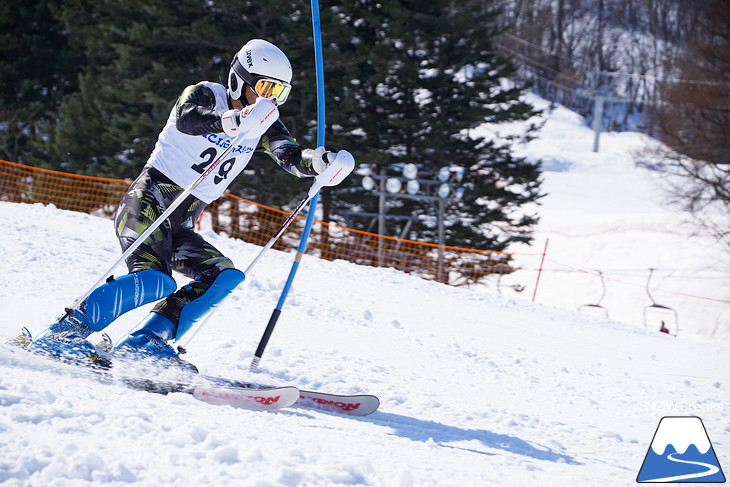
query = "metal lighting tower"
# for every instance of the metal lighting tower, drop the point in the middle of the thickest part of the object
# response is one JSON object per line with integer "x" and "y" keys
{"x": 436, "y": 192}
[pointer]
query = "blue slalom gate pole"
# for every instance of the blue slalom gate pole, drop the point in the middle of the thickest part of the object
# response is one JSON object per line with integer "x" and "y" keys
{"x": 319, "y": 65}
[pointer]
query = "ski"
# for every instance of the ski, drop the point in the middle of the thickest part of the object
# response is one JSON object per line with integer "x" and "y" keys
{"x": 350, "y": 405}
{"x": 221, "y": 391}
{"x": 257, "y": 398}
{"x": 239, "y": 397}
{"x": 235, "y": 393}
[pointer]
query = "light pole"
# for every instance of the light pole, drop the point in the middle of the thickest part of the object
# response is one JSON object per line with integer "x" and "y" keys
{"x": 435, "y": 191}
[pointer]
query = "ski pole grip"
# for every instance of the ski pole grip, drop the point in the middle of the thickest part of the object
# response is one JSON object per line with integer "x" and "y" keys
{"x": 335, "y": 173}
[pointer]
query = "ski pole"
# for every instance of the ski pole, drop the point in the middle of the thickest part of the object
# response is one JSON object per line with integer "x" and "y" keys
{"x": 159, "y": 221}
{"x": 337, "y": 171}
{"x": 266, "y": 247}
{"x": 342, "y": 166}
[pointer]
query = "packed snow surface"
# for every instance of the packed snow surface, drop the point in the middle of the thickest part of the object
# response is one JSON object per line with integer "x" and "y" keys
{"x": 479, "y": 386}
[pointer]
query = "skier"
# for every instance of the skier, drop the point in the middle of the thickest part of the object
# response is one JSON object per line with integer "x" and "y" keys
{"x": 202, "y": 124}
{"x": 664, "y": 329}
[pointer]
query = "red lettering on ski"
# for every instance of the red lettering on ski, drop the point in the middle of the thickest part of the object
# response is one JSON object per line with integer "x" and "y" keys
{"x": 268, "y": 400}
{"x": 345, "y": 406}
{"x": 265, "y": 400}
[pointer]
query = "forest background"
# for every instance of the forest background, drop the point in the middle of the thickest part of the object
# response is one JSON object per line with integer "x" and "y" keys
{"x": 86, "y": 85}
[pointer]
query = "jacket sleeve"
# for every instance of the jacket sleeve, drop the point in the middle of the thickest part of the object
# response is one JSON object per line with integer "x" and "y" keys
{"x": 279, "y": 144}
{"x": 195, "y": 112}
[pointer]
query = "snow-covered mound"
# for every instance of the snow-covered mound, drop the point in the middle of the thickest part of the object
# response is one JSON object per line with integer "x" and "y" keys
{"x": 476, "y": 388}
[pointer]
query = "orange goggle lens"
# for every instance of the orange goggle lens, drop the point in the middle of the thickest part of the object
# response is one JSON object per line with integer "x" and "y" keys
{"x": 266, "y": 88}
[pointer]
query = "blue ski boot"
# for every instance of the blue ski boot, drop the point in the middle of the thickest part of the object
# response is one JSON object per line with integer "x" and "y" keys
{"x": 67, "y": 338}
{"x": 66, "y": 341}
{"x": 148, "y": 341}
{"x": 150, "y": 338}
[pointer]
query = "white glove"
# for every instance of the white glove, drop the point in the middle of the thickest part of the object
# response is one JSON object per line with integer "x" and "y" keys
{"x": 253, "y": 121}
{"x": 338, "y": 169}
{"x": 321, "y": 159}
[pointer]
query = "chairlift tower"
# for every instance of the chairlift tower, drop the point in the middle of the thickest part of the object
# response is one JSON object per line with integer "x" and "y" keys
{"x": 600, "y": 97}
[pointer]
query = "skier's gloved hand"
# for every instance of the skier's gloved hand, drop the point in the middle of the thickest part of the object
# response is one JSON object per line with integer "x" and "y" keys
{"x": 230, "y": 120}
{"x": 339, "y": 166}
{"x": 321, "y": 159}
{"x": 253, "y": 121}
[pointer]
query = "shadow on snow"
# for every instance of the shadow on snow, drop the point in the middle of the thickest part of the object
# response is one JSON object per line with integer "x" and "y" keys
{"x": 421, "y": 430}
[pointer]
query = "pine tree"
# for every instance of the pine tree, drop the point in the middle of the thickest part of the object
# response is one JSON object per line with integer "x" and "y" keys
{"x": 415, "y": 80}
{"x": 406, "y": 81}
{"x": 140, "y": 56}
{"x": 37, "y": 68}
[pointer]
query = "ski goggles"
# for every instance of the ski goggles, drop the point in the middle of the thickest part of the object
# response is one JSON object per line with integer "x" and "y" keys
{"x": 261, "y": 85}
{"x": 267, "y": 87}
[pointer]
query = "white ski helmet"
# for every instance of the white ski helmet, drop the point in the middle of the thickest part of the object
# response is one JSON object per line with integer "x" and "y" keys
{"x": 262, "y": 66}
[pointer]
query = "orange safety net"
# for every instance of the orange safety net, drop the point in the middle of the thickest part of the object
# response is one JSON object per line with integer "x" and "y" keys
{"x": 255, "y": 223}
{"x": 88, "y": 194}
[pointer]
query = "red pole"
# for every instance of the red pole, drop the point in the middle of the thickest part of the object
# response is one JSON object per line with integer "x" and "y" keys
{"x": 539, "y": 271}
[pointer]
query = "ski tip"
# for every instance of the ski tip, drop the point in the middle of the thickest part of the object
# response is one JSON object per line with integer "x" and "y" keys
{"x": 354, "y": 405}
{"x": 263, "y": 399}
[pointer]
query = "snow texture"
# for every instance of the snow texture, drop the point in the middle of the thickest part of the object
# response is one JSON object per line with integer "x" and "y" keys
{"x": 478, "y": 387}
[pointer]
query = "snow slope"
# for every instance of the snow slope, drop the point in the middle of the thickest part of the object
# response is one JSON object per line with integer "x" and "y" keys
{"x": 479, "y": 386}
{"x": 476, "y": 388}
{"x": 604, "y": 216}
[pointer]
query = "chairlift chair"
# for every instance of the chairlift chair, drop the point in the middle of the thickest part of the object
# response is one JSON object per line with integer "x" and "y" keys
{"x": 597, "y": 308}
{"x": 518, "y": 288}
{"x": 661, "y": 312}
